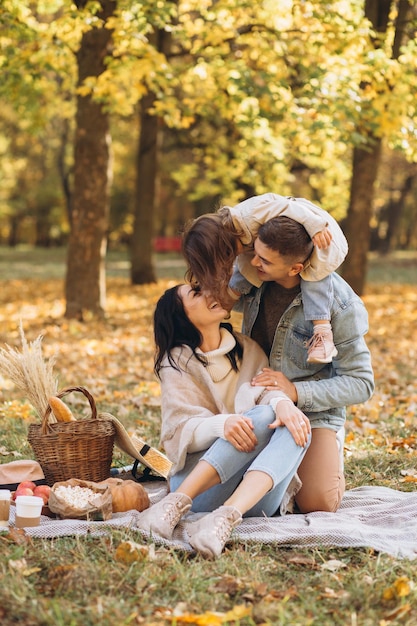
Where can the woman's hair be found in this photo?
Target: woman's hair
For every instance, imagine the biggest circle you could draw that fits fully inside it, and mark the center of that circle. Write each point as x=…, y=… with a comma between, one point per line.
x=172, y=329
x=209, y=246
x=288, y=237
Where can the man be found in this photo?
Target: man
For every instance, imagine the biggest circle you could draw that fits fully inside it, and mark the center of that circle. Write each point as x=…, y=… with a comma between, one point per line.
x=273, y=316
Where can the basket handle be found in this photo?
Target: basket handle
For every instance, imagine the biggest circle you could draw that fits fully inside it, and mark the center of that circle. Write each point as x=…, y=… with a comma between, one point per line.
x=61, y=394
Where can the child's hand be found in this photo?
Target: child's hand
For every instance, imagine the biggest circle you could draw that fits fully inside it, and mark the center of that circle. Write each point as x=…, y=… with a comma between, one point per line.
x=323, y=239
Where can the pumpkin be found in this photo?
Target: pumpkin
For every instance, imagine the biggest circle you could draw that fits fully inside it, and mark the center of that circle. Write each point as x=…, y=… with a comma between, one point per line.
x=127, y=495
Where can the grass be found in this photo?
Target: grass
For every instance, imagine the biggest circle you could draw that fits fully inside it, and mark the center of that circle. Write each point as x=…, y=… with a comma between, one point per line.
x=28, y=262
x=398, y=267
x=77, y=581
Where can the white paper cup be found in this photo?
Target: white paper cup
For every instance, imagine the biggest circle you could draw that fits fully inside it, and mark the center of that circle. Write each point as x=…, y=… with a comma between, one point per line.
x=28, y=511
x=5, y=495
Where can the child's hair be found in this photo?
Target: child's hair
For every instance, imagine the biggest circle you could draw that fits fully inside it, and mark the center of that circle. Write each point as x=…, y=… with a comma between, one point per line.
x=209, y=246
x=172, y=329
x=288, y=237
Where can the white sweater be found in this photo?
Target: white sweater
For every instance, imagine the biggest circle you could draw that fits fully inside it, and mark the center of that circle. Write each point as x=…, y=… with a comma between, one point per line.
x=194, y=407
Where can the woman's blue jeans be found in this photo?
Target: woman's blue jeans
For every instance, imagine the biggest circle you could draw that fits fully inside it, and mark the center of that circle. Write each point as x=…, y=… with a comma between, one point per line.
x=276, y=454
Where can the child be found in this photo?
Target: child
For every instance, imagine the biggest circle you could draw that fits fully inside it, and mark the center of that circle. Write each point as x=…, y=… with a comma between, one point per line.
x=214, y=242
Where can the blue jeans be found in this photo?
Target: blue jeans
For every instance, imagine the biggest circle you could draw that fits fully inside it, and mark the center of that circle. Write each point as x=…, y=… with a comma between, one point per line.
x=317, y=298
x=276, y=454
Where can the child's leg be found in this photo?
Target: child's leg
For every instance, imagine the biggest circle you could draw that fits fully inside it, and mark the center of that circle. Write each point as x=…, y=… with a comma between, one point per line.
x=317, y=298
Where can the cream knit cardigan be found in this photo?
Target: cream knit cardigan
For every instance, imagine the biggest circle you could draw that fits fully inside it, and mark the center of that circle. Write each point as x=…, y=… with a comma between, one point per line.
x=189, y=396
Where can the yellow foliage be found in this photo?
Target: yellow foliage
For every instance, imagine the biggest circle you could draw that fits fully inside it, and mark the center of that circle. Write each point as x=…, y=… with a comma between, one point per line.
x=401, y=588
x=214, y=619
x=128, y=552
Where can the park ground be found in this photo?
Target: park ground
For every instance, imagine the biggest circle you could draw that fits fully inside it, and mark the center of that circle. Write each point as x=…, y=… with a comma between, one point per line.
x=84, y=581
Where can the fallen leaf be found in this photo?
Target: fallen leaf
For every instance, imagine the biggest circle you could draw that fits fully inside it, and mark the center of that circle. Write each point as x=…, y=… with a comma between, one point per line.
x=21, y=566
x=399, y=589
x=333, y=565
x=399, y=612
x=409, y=472
x=213, y=618
x=331, y=593
x=16, y=535
x=301, y=559
x=227, y=584
x=128, y=552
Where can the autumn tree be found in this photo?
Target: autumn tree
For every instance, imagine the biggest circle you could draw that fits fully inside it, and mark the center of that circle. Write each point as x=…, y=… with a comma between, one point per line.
x=147, y=175
x=85, y=279
x=256, y=96
x=34, y=109
x=367, y=157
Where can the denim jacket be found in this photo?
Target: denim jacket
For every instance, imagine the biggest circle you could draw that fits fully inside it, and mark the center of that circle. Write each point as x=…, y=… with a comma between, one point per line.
x=324, y=389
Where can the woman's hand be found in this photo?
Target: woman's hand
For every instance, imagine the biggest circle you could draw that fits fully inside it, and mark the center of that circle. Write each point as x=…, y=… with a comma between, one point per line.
x=297, y=423
x=238, y=430
x=275, y=380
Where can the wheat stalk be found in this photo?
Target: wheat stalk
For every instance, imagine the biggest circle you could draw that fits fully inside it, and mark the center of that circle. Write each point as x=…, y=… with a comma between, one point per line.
x=28, y=370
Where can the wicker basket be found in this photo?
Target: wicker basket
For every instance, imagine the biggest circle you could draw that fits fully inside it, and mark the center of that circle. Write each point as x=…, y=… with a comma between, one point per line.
x=80, y=449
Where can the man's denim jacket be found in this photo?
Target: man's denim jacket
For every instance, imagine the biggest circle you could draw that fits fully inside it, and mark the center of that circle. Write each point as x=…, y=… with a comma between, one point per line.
x=324, y=389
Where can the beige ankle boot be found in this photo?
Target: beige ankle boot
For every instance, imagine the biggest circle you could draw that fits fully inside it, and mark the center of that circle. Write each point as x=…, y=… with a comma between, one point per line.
x=210, y=533
x=163, y=516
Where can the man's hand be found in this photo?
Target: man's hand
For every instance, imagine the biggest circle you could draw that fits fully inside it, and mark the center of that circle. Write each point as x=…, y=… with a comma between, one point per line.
x=275, y=380
x=238, y=430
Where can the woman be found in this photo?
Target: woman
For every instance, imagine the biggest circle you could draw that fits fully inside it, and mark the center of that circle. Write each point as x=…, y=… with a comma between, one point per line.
x=235, y=448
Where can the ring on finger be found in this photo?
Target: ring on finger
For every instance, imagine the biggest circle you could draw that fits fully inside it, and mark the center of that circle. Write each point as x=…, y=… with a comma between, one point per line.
x=275, y=382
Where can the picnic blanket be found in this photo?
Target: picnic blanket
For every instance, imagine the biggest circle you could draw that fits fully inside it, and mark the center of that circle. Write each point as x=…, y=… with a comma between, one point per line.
x=369, y=517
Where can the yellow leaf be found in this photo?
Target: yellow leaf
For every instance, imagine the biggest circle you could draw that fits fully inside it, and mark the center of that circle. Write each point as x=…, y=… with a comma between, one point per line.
x=399, y=589
x=128, y=552
x=402, y=587
x=238, y=612
x=202, y=619
x=31, y=570
x=215, y=619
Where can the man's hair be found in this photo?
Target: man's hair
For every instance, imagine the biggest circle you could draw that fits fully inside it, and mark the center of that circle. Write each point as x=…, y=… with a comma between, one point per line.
x=287, y=237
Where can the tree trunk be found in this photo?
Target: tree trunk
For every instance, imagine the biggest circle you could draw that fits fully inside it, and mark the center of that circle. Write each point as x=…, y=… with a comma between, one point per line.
x=365, y=164
x=357, y=226
x=85, y=287
x=63, y=171
x=394, y=214
x=364, y=173
x=13, y=238
x=142, y=270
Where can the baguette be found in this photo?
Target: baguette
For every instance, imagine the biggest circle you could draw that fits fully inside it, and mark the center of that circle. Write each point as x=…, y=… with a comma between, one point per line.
x=60, y=410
